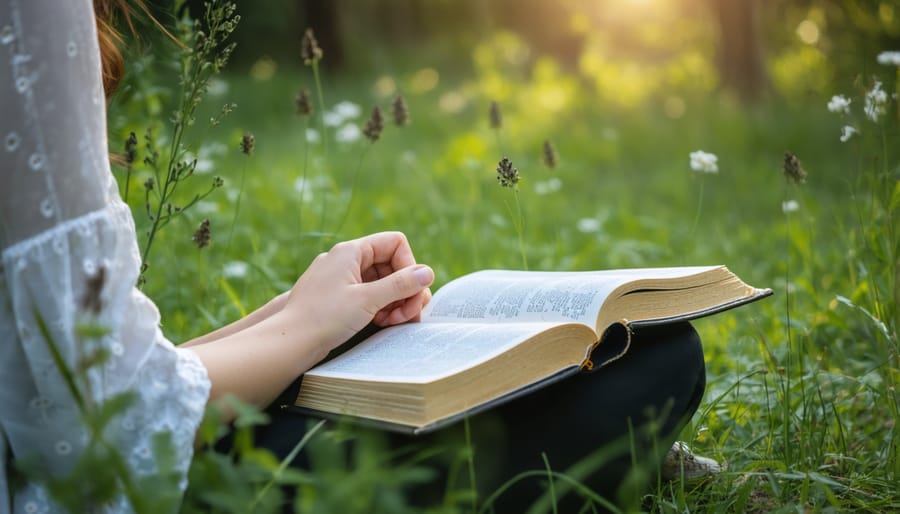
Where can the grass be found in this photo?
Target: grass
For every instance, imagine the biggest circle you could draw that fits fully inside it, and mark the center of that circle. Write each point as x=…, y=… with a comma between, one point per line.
x=802, y=401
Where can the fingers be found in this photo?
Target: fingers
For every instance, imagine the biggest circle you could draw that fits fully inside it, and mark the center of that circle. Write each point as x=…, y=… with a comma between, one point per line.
x=377, y=271
x=403, y=311
x=385, y=248
x=404, y=284
x=385, y=276
x=382, y=254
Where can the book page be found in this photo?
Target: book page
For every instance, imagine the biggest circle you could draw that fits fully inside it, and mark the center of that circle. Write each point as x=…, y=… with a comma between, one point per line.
x=418, y=352
x=494, y=296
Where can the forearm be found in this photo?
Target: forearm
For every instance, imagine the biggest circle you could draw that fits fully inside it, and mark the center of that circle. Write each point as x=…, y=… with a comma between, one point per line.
x=271, y=307
x=372, y=278
x=257, y=363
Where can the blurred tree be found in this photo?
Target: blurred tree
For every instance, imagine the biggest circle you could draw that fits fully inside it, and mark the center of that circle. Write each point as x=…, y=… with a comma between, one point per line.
x=546, y=26
x=744, y=38
x=324, y=17
x=399, y=21
x=858, y=30
x=740, y=53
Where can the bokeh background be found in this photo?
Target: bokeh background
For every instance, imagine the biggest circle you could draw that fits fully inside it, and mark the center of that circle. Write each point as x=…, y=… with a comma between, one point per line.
x=802, y=401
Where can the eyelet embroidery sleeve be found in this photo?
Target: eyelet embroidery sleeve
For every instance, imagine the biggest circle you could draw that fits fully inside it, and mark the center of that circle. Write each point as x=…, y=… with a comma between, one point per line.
x=62, y=225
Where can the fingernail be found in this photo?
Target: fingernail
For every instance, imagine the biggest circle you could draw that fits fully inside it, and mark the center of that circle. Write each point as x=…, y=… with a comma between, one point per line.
x=424, y=275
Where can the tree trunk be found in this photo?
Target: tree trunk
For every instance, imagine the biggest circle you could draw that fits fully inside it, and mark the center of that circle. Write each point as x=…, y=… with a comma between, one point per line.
x=323, y=17
x=740, y=57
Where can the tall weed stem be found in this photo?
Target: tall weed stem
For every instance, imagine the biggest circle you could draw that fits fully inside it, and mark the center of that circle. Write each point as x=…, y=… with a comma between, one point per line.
x=349, y=205
x=237, y=208
x=699, y=209
x=470, y=461
x=786, y=404
x=204, y=58
x=321, y=98
x=519, y=224
x=303, y=181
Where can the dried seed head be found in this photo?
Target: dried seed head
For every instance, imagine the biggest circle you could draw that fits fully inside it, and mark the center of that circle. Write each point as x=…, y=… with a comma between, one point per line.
x=149, y=184
x=792, y=169
x=494, y=116
x=374, y=126
x=309, y=49
x=152, y=156
x=549, y=154
x=248, y=143
x=202, y=236
x=401, y=111
x=507, y=176
x=90, y=298
x=303, y=102
x=131, y=149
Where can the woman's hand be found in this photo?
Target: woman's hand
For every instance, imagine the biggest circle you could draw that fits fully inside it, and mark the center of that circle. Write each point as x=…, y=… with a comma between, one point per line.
x=373, y=278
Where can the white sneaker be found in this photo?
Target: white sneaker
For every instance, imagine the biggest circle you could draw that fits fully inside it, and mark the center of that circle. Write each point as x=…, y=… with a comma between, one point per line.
x=681, y=463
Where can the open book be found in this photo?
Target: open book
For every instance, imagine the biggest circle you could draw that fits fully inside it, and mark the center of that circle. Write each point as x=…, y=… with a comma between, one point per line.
x=492, y=335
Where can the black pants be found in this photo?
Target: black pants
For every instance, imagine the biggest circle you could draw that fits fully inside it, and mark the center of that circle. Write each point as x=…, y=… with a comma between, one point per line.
x=594, y=427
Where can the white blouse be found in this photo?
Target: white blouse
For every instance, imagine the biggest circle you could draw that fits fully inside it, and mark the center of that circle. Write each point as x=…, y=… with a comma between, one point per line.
x=62, y=222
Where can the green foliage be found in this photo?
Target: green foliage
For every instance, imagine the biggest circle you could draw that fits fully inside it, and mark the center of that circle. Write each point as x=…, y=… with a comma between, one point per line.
x=100, y=476
x=807, y=420
x=802, y=401
x=204, y=52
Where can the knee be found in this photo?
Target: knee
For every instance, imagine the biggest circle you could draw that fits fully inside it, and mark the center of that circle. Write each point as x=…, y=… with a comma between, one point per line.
x=675, y=347
x=671, y=356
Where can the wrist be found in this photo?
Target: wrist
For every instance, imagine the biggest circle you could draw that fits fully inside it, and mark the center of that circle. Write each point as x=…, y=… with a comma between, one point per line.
x=301, y=336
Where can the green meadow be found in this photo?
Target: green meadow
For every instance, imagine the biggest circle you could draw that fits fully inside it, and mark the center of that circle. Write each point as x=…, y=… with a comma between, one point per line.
x=802, y=400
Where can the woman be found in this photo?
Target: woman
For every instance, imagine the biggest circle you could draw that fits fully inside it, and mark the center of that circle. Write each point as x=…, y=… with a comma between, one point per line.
x=67, y=235
x=69, y=254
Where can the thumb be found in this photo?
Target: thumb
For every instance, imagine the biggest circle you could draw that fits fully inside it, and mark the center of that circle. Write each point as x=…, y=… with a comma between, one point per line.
x=399, y=285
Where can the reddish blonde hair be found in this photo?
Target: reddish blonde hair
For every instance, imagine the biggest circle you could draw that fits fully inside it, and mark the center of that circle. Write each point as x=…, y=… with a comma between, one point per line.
x=109, y=38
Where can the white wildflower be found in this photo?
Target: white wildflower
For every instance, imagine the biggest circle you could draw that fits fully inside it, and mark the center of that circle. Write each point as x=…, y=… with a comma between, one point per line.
x=307, y=186
x=839, y=103
x=217, y=87
x=704, y=162
x=301, y=184
x=213, y=149
x=588, y=225
x=847, y=132
x=498, y=220
x=348, y=133
x=204, y=207
x=332, y=119
x=876, y=102
x=551, y=185
x=790, y=206
x=236, y=269
x=342, y=112
x=348, y=110
x=204, y=166
x=312, y=136
x=889, y=58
